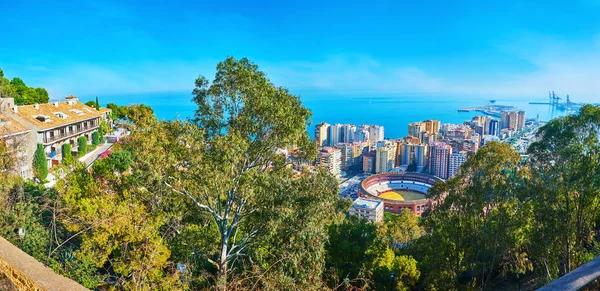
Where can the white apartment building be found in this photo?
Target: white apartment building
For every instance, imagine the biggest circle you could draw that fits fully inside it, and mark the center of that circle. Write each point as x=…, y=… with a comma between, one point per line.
x=331, y=159
x=367, y=209
x=456, y=160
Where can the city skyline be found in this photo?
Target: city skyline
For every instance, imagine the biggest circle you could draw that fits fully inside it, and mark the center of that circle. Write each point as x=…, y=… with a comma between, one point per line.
x=476, y=50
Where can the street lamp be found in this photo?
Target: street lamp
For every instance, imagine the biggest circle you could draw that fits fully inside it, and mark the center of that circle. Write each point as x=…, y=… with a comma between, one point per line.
x=393, y=278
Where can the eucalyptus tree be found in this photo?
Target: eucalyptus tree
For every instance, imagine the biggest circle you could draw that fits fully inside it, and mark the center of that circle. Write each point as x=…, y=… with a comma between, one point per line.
x=245, y=121
x=565, y=164
x=479, y=226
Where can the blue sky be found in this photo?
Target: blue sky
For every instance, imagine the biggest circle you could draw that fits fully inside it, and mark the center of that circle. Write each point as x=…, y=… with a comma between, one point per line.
x=467, y=48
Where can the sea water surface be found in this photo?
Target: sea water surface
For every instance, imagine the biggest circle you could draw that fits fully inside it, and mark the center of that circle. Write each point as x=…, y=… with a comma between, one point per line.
x=394, y=112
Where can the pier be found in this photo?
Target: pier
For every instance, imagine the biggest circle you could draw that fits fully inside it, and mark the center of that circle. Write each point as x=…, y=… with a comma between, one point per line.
x=491, y=110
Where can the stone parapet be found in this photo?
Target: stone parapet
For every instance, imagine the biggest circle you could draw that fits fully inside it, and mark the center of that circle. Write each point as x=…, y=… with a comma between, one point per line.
x=24, y=272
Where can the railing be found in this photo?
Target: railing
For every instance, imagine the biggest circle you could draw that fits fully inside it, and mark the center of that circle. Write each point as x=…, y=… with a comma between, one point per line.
x=586, y=277
x=68, y=134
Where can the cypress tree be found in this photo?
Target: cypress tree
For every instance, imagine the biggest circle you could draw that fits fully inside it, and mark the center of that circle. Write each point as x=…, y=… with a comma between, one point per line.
x=40, y=164
x=97, y=104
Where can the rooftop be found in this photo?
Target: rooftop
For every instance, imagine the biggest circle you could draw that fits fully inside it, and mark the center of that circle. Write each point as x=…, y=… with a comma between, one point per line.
x=366, y=203
x=10, y=126
x=50, y=115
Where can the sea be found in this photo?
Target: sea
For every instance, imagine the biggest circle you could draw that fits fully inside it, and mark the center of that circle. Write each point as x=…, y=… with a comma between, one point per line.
x=393, y=112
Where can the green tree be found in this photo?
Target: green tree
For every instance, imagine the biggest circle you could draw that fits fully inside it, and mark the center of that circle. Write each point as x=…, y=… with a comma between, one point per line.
x=400, y=229
x=95, y=138
x=103, y=130
x=67, y=156
x=121, y=160
x=40, y=164
x=91, y=103
x=245, y=120
x=480, y=226
x=565, y=188
x=82, y=146
x=97, y=104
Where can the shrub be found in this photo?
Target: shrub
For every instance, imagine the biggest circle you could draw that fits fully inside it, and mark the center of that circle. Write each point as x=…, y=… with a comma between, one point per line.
x=40, y=164
x=82, y=146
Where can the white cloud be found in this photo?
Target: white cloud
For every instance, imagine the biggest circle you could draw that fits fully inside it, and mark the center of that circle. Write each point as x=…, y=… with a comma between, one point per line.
x=568, y=68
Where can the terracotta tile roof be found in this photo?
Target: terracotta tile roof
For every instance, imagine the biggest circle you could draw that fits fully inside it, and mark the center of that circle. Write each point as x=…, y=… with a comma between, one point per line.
x=9, y=126
x=58, y=113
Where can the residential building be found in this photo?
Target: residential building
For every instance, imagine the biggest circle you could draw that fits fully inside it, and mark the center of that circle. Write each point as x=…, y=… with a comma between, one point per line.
x=361, y=135
x=493, y=127
x=335, y=134
x=351, y=153
x=513, y=120
x=369, y=209
x=414, y=129
x=376, y=133
x=385, y=158
x=439, y=159
x=14, y=135
x=57, y=123
x=522, y=119
x=369, y=162
x=331, y=159
x=414, y=153
x=456, y=160
x=322, y=134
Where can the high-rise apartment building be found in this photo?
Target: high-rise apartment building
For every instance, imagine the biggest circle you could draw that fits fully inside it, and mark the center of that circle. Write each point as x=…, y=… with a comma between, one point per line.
x=361, y=135
x=522, y=119
x=513, y=120
x=335, y=134
x=493, y=127
x=456, y=160
x=322, y=134
x=414, y=153
x=439, y=159
x=369, y=162
x=375, y=133
x=351, y=153
x=385, y=158
x=431, y=126
x=414, y=129
x=331, y=159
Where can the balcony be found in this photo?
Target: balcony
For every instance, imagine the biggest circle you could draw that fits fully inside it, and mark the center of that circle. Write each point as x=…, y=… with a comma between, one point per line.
x=49, y=139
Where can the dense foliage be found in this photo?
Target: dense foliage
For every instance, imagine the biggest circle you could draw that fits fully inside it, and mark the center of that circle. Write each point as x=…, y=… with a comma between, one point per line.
x=211, y=203
x=23, y=95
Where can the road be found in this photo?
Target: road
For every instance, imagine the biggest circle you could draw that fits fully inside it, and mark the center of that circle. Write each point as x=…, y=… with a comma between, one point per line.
x=92, y=156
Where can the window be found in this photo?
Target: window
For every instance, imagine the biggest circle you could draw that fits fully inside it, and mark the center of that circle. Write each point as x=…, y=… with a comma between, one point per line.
x=61, y=115
x=42, y=118
x=77, y=111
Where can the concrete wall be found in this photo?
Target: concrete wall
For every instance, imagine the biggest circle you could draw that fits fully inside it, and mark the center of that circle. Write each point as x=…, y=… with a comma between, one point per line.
x=24, y=272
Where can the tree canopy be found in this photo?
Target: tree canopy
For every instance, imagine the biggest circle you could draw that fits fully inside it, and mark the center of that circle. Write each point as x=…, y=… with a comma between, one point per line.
x=23, y=94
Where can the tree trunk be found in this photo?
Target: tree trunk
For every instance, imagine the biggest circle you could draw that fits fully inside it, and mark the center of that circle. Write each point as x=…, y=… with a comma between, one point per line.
x=222, y=274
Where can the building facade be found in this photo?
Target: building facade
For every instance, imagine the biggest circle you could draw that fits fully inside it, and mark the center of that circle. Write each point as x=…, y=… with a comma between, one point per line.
x=385, y=158
x=331, y=159
x=322, y=134
x=57, y=123
x=456, y=160
x=439, y=159
x=369, y=209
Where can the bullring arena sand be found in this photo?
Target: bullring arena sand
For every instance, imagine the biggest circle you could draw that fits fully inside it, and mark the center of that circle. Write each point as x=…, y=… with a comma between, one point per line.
x=402, y=195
